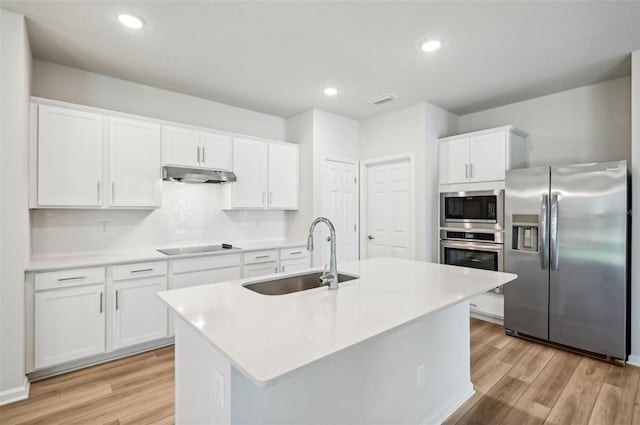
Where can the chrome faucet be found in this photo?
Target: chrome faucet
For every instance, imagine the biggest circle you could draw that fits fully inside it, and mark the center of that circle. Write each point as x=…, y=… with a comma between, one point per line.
x=330, y=278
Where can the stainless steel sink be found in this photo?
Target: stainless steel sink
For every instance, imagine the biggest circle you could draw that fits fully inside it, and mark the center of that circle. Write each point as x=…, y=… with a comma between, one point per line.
x=287, y=285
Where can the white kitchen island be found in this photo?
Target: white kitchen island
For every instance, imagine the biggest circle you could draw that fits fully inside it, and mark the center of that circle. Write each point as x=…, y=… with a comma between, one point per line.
x=389, y=347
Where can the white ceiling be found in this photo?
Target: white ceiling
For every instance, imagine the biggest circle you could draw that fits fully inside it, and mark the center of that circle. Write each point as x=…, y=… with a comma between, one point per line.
x=276, y=57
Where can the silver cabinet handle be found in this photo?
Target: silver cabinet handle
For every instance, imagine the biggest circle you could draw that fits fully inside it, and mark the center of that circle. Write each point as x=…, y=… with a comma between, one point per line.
x=473, y=305
x=198, y=154
x=67, y=279
x=466, y=171
x=542, y=233
x=113, y=191
x=370, y=237
x=295, y=253
x=117, y=304
x=269, y=198
x=98, y=191
x=275, y=269
x=100, y=302
x=141, y=271
x=203, y=152
x=263, y=195
x=262, y=256
x=470, y=170
x=554, y=232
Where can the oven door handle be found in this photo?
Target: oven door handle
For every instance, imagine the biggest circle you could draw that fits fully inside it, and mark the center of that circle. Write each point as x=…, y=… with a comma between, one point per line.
x=472, y=246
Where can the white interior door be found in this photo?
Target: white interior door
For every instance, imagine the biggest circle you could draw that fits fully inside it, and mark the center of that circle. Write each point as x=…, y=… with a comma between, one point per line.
x=389, y=210
x=340, y=206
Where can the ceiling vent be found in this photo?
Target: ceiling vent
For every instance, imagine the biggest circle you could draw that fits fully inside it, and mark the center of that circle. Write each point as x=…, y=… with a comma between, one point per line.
x=382, y=99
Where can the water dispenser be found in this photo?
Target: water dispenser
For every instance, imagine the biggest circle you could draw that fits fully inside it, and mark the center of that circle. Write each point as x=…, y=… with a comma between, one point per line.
x=525, y=232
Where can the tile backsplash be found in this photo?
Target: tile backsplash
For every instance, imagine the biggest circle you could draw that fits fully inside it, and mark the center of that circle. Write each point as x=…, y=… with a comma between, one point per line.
x=189, y=213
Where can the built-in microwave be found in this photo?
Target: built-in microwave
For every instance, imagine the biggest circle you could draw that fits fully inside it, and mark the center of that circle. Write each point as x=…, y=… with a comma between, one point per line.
x=472, y=210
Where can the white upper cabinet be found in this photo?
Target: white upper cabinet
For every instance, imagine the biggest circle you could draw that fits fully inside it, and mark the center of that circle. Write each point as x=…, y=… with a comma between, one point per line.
x=191, y=148
x=181, y=146
x=453, y=160
x=250, y=162
x=283, y=176
x=69, y=158
x=216, y=151
x=267, y=175
x=482, y=156
x=135, y=172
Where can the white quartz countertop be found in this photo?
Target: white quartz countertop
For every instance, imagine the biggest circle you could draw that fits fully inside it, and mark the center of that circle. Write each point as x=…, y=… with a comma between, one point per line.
x=45, y=263
x=269, y=336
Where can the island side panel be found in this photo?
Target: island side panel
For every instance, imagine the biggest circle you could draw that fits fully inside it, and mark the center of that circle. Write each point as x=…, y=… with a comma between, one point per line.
x=373, y=382
x=203, y=378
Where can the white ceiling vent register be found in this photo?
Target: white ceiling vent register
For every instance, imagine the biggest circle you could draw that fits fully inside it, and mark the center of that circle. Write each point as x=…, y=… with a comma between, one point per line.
x=382, y=99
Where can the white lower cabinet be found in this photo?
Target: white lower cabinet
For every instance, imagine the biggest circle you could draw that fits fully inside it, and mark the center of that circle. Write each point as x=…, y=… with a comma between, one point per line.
x=139, y=315
x=287, y=266
x=488, y=304
x=260, y=269
x=69, y=324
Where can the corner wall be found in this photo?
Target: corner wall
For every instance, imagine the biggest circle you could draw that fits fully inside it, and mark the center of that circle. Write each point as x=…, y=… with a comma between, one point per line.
x=15, y=75
x=634, y=358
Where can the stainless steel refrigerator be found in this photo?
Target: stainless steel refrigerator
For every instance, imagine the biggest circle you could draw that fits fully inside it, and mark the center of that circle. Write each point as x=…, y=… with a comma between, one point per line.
x=566, y=236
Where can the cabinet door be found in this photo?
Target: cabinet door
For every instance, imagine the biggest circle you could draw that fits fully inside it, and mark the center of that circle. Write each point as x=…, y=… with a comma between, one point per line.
x=216, y=151
x=134, y=163
x=138, y=313
x=69, y=157
x=453, y=160
x=181, y=146
x=250, y=168
x=487, y=157
x=283, y=177
x=255, y=270
x=288, y=266
x=69, y=324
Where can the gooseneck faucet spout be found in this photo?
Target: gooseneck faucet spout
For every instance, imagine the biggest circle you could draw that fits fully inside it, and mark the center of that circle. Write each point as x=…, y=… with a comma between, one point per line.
x=330, y=278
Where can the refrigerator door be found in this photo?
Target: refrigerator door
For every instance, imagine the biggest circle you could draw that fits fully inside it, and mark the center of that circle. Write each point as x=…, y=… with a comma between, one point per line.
x=588, y=234
x=526, y=251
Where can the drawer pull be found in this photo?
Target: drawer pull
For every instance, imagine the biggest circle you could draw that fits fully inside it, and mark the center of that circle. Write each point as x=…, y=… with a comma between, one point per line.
x=296, y=253
x=67, y=279
x=473, y=305
x=117, y=304
x=263, y=256
x=141, y=270
x=100, y=302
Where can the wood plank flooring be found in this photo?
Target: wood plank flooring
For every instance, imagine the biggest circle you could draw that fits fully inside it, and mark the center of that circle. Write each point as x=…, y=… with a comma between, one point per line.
x=517, y=382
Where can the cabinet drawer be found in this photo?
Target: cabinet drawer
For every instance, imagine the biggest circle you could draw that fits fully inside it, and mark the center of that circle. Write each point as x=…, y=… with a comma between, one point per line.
x=295, y=265
x=260, y=256
x=204, y=277
x=132, y=271
x=68, y=278
x=205, y=263
x=488, y=304
x=260, y=269
x=294, y=253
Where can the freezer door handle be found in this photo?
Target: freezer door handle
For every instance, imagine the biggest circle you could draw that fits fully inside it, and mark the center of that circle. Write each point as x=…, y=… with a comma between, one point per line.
x=542, y=232
x=554, y=232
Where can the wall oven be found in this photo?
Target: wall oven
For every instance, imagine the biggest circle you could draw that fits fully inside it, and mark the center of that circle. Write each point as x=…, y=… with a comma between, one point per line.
x=478, y=250
x=472, y=210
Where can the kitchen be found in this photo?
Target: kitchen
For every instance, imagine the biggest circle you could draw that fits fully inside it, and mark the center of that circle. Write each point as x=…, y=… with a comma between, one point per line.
x=587, y=117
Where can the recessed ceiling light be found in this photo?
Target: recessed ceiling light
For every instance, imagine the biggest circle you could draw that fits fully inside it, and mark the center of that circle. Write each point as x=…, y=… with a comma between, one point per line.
x=430, y=46
x=330, y=91
x=130, y=21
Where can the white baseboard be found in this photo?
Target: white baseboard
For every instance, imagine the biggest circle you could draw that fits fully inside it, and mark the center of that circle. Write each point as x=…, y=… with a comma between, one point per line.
x=634, y=360
x=15, y=394
x=453, y=405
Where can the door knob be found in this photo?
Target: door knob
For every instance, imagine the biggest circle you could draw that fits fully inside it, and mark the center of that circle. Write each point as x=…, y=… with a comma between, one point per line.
x=370, y=237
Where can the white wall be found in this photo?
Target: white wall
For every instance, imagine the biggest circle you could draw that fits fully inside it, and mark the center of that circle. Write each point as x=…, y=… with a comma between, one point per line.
x=586, y=124
x=73, y=85
x=416, y=130
x=15, y=73
x=635, y=228
x=189, y=213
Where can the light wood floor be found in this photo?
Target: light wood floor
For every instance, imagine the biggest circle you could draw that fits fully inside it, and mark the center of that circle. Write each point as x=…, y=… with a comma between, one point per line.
x=517, y=382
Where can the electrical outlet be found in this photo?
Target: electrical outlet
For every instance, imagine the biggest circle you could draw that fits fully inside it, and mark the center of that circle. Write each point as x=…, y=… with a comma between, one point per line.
x=420, y=375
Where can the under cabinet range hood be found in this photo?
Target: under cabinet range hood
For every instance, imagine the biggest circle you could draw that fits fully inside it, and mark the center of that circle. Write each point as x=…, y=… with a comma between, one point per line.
x=196, y=175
